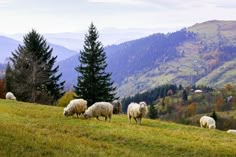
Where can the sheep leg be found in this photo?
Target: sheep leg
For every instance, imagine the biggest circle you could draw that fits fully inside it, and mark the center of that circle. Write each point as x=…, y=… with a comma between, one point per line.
x=97, y=118
x=129, y=118
x=135, y=120
x=139, y=120
x=109, y=116
x=105, y=118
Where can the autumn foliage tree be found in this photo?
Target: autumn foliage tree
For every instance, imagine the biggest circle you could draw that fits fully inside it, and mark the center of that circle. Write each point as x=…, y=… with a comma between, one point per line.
x=219, y=103
x=2, y=88
x=191, y=109
x=228, y=87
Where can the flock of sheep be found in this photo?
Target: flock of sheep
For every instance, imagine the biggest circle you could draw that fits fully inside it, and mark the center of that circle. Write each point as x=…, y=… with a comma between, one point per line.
x=106, y=109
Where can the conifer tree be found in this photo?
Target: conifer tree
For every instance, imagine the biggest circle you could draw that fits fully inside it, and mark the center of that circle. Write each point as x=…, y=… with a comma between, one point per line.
x=185, y=96
x=152, y=113
x=31, y=74
x=94, y=83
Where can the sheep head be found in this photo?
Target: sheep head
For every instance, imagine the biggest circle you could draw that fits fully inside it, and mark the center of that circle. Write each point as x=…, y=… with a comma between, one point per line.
x=88, y=114
x=65, y=112
x=142, y=106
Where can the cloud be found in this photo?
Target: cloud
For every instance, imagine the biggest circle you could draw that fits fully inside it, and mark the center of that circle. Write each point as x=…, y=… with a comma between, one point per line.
x=124, y=2
x=5, y=2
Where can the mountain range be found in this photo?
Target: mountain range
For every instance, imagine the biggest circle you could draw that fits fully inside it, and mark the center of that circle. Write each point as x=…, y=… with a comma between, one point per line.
x=204, y=53
x=9, y=45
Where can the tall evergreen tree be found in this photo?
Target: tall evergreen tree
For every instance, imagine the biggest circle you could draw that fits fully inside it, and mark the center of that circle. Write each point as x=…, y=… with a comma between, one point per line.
x=94, y=83
x=31, y=75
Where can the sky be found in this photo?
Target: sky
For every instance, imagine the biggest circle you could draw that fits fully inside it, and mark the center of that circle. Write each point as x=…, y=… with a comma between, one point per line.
x=54, y=16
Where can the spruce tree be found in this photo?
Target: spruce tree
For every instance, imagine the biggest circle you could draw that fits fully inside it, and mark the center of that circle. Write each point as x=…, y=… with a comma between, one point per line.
x=94, y=83
x=185, y=96
x=152, y=113
x=31, y=74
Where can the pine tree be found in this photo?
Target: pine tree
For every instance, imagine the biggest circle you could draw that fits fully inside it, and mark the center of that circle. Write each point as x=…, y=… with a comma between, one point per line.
x=214, y=115
x=94, y=83
x=152, y=113
x=185, y=96
x=31, y=75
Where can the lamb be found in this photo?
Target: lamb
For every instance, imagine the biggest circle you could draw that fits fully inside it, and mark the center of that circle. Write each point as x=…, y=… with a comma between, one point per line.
x=231, y=131
x=137, y=111
x=10, y=96
x=207, y=122
x=77, y=106
x=104, y=109
x=117, y=107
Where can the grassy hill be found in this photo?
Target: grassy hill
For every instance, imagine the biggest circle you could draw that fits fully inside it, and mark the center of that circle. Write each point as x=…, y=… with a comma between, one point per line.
x=36, y=130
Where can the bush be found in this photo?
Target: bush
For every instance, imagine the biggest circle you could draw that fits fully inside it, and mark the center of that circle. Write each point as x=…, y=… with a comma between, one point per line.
x=65, y=99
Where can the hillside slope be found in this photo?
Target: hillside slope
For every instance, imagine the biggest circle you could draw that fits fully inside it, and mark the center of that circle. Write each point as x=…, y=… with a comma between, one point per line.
x=36, y=130
x=204, y=53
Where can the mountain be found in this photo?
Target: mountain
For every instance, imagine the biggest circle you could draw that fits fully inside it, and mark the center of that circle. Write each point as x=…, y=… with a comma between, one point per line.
x=204, y=53
x=8, y=45
x=108, y=36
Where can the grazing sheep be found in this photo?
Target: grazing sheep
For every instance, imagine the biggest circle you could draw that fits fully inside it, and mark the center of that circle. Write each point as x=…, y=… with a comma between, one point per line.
x=10, y=96
x=104, y=109
x=117, y=107
x=137, y=111
x=231, y=131
x=207, y=122
x=77, y=106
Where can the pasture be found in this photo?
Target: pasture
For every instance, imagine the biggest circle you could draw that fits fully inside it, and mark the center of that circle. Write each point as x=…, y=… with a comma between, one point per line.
x=37, y=130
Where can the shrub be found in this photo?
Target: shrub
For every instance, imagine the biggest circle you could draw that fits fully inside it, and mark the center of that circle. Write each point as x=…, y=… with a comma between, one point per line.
x=65, y=99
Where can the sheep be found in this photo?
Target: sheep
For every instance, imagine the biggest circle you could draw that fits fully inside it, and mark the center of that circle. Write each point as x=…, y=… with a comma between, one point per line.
x=231, y=131
x=77, y=106
x=207, y=122
x=10, y=96
x=137, y=111
x=104, y=109
x=117, y=107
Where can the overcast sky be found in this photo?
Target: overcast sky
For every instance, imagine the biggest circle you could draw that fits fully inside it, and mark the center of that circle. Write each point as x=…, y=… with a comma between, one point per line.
x=53, y=16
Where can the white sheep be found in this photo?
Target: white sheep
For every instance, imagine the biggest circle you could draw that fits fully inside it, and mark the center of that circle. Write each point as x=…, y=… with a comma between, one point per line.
x=117, y=107
x=137, y=111
x=207, y=122
x=104, y=109
x=231, y=131
x=10, y=96
x=77, y=106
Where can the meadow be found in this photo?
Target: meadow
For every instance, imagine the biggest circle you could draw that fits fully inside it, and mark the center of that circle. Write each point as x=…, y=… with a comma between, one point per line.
x=37, y=130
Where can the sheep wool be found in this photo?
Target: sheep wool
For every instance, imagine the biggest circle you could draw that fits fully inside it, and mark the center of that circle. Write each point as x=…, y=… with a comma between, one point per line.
x=137, y=111
x=77, y=106
x=207, y=122
x=104, y=109
x=231, y=131
x=10, y=96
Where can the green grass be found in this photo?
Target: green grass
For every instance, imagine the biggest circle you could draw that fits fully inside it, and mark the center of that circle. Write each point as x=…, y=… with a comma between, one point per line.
x=36, y=130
